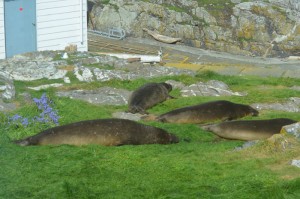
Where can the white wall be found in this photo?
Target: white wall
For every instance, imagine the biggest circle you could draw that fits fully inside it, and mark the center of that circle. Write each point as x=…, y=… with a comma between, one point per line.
x=60, y=23
x=2, y=35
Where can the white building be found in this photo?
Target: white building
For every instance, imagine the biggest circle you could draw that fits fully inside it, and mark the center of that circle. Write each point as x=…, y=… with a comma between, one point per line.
x=37, y=25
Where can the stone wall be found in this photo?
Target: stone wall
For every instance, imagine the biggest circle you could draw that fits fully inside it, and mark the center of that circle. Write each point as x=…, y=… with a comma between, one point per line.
x=257, y=28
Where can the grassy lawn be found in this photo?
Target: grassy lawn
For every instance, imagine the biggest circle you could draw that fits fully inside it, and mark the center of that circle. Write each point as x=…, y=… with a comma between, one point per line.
x=205, y=166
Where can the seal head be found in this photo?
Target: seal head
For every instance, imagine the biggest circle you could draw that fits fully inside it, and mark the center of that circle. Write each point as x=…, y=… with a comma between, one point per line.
x=147, y=96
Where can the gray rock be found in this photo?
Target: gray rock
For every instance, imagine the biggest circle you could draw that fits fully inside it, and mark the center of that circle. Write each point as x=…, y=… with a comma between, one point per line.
x=142, y=72
x=211, y=88
x=34, y=66
x=295, y=88
x=247, y=145
x=176, y=84
x=106, y=75
x=88, y=61
x=295, y=100
x=103, y=96
x=105, y=60
x=6, y=107
x=36, y=56
x=84, y=74
x=292, y=105
x=218, y=84
x=236, y=1
x=8, y=89
x=129, y=116
x=292, y=129
x=23, y=69
x=38, y=88
x=31, y=70
x=296, y=163
x=67, y=80
x=202, y=14
x=292, y=7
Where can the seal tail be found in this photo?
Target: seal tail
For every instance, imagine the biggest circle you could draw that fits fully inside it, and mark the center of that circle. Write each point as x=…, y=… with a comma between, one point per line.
x=171, y=97
x=161, y=119
x=22, y=142
x=136, y=109
x=149, y=117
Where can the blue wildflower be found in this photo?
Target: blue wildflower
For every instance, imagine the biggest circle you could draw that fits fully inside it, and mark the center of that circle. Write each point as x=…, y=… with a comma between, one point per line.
x=16, y=117
x=48, y=114
x=25, y=122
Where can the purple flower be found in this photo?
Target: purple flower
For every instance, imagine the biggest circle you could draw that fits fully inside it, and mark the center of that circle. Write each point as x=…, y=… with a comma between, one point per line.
x=54, y=117
x=39, y=119
x=48, y=112
x=25, y=122
x=16, y=117
x=47, y=115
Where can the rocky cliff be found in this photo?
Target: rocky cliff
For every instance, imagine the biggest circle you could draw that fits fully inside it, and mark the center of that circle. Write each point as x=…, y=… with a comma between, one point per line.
x=267, y=28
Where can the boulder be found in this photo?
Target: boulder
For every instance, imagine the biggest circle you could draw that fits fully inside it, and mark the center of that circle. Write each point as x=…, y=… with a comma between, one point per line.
x=102, y=96
x=291, y=105
x=128, y=116
x=7, y=88
x=210, y=88
x=292, y=129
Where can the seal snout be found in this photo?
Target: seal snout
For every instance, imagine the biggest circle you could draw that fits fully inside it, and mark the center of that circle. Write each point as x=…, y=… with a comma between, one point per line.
x=173, y=138
x=255, y=113
x=206, y=127
x=167, y=86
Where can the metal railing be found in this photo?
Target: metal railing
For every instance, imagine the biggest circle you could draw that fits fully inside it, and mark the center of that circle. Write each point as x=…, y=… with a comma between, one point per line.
x=112, y=33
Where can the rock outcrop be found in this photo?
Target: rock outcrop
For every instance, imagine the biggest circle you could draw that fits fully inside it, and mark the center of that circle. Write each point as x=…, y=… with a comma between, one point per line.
x=39, y=65
x=291, y=105
x=258, y=28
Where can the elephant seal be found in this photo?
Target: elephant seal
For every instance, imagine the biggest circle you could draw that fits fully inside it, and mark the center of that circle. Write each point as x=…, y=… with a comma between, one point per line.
x=107, y=132
x=248, y=129
x=148, y=96
x=207, y=112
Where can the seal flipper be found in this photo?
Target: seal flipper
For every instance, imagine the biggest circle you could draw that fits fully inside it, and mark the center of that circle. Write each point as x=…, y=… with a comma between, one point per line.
x=171, y=97
x=149, y=117
x=161, y=119
x=136, y=109
x=22, y=142
x=187, y=140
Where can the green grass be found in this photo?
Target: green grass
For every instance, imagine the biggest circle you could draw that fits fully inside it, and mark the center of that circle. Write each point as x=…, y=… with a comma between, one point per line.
x=200, y=166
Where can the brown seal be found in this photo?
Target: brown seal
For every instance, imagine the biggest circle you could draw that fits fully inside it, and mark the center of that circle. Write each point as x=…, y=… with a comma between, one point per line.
x=207, y=112
x=248, y=129
x=107, y=132
x=148, y=96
